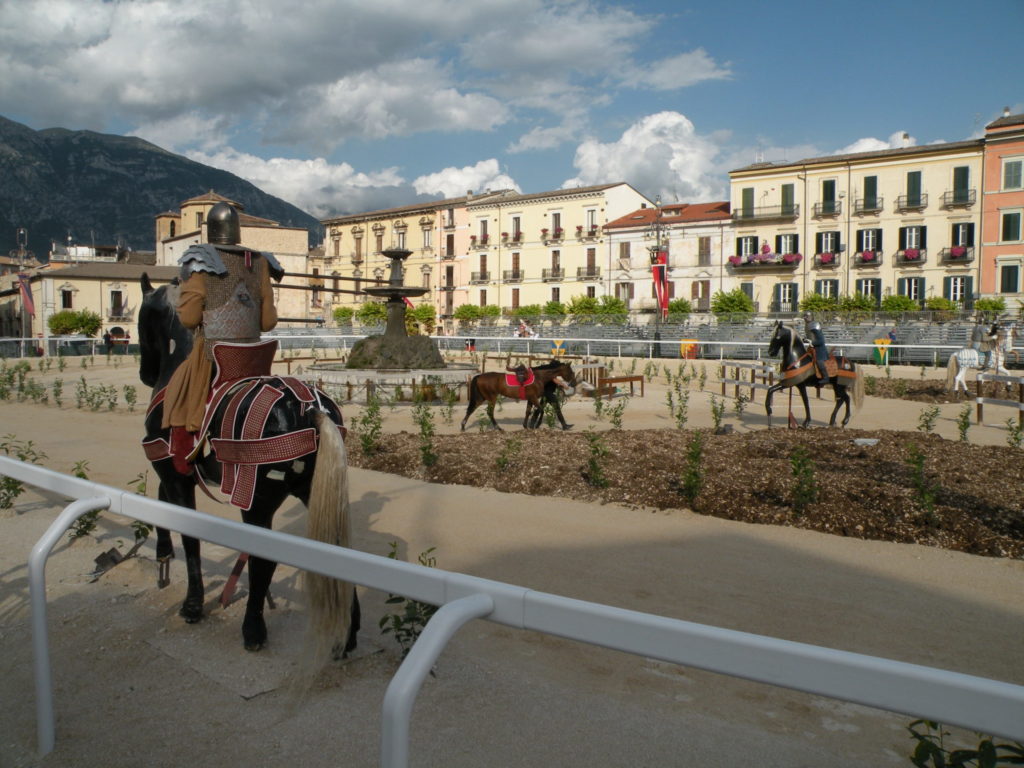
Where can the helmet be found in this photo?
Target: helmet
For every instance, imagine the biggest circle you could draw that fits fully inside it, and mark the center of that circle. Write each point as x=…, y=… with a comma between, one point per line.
x=222, y=227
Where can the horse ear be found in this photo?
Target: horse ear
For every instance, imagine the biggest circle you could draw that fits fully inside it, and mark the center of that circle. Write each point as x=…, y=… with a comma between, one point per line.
x=147, y=286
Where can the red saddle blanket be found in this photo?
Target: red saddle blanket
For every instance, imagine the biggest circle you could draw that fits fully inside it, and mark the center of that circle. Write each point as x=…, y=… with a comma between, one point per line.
x=512, y=380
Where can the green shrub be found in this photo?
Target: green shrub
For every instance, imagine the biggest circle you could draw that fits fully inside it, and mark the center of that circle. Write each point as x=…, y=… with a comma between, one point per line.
x=733, y=302
x=407, y=625
x=372, y=313
x=815, y=302
x=343, y=315
x=900, y=303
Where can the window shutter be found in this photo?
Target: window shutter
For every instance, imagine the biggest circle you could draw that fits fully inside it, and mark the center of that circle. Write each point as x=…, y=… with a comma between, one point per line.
x=969, y=292
x=835, y=288
x=778, y=243
x=920, y=291
x=876, y=291
x=796, y=296
x=947, y=282
x=739, y=245
x=818, y=286
x=924, y=237
x=796, y=243
x=776, y=296
x=839, y=241
x=970, y=234
x=878, y=238
x=903, y=238
x=901, y=286
x=817, y=242
x=860, y=240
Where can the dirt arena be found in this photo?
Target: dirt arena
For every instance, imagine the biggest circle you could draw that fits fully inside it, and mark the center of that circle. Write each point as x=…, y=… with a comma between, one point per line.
x=135, y=685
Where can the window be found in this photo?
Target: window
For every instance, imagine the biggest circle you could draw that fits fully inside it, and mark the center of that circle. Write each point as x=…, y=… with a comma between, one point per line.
x=871, y=286
x=827, y=288
x=591, y=292
x=913, y=237
x=869, y=240
x=787, y=243
x=173, y=228
x=828, y=196
x=426, y=276
x=449, y=245
x=515, y=261
x=483, y=297
x=591, y=261
x=748, y=290
x=515, y=298
x=315, y=294
x=788, y=200
x=199, y=219
x=785, y=297
x=483, y=263
x=624, y=291
x=335, y=284
x=449, y=217
x=517, y=228
x=556, y=260
x=591, y=219
x=624, y=250
x=428, y=238
x=912, y=287
x=65, y=299
x=961, y=184
x=1010, y=229
x=556, y=294
x=963, y=234
x=400, y=239
x=483, y=230
x=746, y=246
x=1009, y=278
x=380, y=242
x=336, y=246
x=959, y=288
x=826, y=242
x=870, y=193
x=1013, y=174
x=116, y=303
x=703, y=251
x=747, y=204
x=359, y=249
x=556, y=224
x=913, y=188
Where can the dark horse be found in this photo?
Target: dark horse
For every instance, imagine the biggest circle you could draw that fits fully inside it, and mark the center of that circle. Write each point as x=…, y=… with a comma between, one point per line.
x=318, y=479
x=798, y=369
x=486, y=387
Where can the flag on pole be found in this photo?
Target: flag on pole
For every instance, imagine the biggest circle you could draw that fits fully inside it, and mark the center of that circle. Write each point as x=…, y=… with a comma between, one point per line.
x=407, y=302
x=660, y=282
x=26, y=294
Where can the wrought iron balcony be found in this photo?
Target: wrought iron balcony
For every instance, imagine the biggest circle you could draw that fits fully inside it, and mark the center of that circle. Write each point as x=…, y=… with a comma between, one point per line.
x=782, y=307
x=957, y=254
x=513, y=275
x=826, y=260
x=959, y=198
x=912, y=202
x=448, y=287
x=867, y=258
x=828, y=208
x=357, y=258
x=121, y=315
x=588, y=273
x=447, y=255
x=766, y=261
x=911, y=257
x=549, y=275
x=479, y=277
x=868, y=205
x=766, y=212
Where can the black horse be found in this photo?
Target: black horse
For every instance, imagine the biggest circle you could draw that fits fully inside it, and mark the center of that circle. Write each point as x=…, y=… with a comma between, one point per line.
x=797, y=370
x=301, y=418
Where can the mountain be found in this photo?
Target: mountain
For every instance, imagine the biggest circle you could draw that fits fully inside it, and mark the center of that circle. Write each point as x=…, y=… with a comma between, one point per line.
x=107, y=189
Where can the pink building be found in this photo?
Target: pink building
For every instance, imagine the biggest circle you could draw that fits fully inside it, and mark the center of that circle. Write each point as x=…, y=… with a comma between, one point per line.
x=1002, y=224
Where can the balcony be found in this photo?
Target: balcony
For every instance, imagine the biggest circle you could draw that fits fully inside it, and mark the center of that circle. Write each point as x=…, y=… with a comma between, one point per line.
x=121, y=315
x=959, y=198
x=479, y=242
x=448, y=287
x=553, y=274
x=828, y=209
x=766, y=213
x=449, y=224
x=357, y=258
x=476, y=278
x=783, y=307
x=766, y=261
x=911, y=257
x=826, y=260
x=867, y=206
x=588, y=273
x=513, y=275
x=867, y=258
x=447, y=255
x=587, y=233
x=957, y=254
x=514, y=238
x=911, y=202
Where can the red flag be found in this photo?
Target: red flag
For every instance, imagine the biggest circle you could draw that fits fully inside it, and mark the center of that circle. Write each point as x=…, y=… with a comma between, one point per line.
x=660, y=281
x=407, y=302
x=26, y=294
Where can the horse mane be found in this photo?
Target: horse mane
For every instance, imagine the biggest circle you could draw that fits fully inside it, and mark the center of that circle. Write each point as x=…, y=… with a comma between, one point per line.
x=550, y=366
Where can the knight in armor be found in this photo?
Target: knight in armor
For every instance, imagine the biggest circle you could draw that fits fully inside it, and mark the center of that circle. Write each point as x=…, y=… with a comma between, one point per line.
x=812, y=329
x=983, y=341
x=226, y=295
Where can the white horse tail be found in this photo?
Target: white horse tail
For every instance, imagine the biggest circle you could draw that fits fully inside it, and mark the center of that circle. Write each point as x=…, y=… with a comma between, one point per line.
x=330, y=600
x=858, y=389
x=952, y=369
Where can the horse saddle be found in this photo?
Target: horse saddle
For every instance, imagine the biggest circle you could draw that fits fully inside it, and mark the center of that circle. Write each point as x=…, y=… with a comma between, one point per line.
x=512, y=380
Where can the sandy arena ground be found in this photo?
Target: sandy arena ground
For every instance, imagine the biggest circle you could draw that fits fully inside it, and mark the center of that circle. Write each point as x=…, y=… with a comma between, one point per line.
x=134, y=685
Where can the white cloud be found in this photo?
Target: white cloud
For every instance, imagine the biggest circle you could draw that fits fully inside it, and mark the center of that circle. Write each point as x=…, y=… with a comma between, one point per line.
x=455, y=182
x=661, y=154
x=316, y=186
x=897, y=140
x=680, y=71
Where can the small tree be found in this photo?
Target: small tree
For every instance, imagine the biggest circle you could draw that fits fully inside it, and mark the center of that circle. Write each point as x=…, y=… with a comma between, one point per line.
x=343, y=315
x=733, y=302
x=530, y=312
x=372, y=313
x=467, y=313
x=939, y=304
x=996, y=305
x=583, y=308
x=425, y=315
x=63, y=323
x=900, y=303
x=554, y=309
x=89, y=322
x=679, y=307
x=490, y=311
x=858, y=302
x=815, y=302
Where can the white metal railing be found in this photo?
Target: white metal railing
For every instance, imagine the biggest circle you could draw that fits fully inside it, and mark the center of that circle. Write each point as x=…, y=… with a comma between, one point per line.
x=954, y=698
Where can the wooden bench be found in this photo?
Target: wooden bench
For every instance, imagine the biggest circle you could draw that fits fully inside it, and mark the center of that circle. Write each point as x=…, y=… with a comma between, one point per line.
x=605, y=385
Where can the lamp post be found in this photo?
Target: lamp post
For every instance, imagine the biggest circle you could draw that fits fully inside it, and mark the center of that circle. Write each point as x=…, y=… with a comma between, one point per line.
x=658, y=268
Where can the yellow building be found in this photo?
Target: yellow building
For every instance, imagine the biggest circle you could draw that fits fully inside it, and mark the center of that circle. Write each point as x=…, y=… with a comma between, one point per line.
x=899, y=221
x=175, y=232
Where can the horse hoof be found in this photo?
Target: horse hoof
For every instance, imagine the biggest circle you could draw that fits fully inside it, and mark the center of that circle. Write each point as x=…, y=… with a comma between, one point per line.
x=191, y=612
x=566, y=427
x=254, y=633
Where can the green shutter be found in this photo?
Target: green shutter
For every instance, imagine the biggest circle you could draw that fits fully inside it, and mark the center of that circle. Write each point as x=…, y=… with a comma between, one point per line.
x=817, y=242
x=969, y=292
x=860, y=240
x=870, y=192
x=903, y=238
x=947, y=283
x=924, y=237
x=914, y=187
x=901, y=286
x=748, y=201
x=818, y=286
x=778, y=243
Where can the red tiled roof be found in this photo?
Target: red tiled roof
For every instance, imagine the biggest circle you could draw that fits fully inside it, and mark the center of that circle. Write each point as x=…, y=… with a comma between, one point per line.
x=675, y=213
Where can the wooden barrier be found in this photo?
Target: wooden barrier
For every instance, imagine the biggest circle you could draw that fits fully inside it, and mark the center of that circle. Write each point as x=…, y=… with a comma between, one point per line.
x=1009, y=380
x=605, y=385
x=762, y=376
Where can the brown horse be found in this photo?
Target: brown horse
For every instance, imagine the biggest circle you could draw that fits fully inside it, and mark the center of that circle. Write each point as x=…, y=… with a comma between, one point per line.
x=486, y=387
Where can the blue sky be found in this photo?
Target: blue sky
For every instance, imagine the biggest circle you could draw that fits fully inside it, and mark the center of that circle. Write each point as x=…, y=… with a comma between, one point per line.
x=341, y=106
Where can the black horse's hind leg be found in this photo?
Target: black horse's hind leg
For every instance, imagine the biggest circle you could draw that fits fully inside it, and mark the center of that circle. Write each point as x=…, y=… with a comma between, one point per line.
x=842, y=398
x=192, y=608
x=807, y=405
x=268, y=498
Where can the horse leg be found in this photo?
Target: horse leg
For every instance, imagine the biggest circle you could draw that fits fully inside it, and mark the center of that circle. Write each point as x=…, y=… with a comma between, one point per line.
x=261, y=572
x=842, y=396
x=807, y=405
x=469, y=412
x=529, y=411
x=192, y=608
x=768, y=395
x=490, y=413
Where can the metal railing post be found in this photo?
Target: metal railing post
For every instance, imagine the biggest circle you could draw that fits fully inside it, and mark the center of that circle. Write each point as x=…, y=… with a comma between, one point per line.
x=37, y=593
x=402, y=690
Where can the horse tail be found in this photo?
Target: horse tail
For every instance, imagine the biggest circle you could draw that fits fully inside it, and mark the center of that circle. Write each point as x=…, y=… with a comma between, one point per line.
x=952, y=369
x=473, y=392
x=330, y=600
x=858, y=389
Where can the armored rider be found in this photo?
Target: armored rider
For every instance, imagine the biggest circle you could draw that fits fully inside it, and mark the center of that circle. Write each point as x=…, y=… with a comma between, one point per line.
x=812, y=329
x=226, y=295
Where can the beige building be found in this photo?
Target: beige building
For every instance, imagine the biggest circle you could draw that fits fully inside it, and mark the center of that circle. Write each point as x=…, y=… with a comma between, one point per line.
x=175, y=232
x=695, y=237
x=900, y=221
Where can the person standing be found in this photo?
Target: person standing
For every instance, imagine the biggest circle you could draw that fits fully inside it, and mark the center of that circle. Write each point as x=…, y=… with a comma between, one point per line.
x=226, y=295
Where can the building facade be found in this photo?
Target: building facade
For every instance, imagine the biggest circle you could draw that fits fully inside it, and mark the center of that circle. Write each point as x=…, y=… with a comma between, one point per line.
x=1002, y=228
x=902, y=221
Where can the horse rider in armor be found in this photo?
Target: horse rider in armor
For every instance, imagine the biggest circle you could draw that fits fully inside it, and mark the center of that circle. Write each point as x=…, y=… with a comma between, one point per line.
x=226, y=295
x=812, y=329
x=983, y=341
